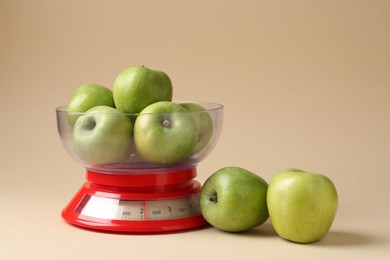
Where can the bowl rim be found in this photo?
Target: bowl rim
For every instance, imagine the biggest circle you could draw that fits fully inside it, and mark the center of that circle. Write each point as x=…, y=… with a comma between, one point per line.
x=213, y=107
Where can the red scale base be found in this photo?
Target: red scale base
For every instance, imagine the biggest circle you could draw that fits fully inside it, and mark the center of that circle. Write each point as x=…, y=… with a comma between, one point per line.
x=142, y=201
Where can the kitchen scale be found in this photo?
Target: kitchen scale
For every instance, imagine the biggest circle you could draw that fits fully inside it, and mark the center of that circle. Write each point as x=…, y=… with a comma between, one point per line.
x=166, y=200
x=134, y=196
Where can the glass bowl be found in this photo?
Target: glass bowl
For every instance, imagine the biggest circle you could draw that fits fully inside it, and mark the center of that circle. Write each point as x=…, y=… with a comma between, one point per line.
x=109, y=142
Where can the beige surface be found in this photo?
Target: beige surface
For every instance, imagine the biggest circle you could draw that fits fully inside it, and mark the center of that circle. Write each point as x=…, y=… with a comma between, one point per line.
x=304, y=83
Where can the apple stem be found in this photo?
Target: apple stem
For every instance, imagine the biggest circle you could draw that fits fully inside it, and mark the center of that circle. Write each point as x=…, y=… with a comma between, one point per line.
x=214, y=198
x=166, y=123
x=89, y=124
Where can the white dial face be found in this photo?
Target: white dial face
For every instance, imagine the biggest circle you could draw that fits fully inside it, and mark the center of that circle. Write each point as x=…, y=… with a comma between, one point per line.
x=139, y=210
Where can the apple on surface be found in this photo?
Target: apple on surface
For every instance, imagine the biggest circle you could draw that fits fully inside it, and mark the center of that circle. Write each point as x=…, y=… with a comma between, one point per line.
x=203, y=123
x=102, y=135
x=137, y=87
x=301, y=205
x=234, y=199
x=165, y=133
x=87, y=96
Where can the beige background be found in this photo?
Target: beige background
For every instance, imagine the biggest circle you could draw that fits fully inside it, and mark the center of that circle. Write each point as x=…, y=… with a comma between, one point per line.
x=304, y=83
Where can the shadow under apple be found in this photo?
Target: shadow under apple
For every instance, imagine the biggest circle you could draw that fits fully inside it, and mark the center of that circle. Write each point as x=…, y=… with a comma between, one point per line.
x=341, y=238
x=332, y=239
x=264, y=230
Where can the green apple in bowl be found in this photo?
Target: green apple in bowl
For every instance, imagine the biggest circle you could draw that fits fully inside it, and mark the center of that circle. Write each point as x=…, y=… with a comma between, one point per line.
x=165, y=133
x=203, y=123
x=102, y=135
x=137, y=87
x=87, y=96
x=234, y=199
x=302, y=205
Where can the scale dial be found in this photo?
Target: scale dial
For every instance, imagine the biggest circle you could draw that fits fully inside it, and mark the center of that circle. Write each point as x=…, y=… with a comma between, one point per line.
x=139, y=210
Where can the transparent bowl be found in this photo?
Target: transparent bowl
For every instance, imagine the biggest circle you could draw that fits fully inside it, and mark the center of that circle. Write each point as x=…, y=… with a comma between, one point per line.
x=101, y=142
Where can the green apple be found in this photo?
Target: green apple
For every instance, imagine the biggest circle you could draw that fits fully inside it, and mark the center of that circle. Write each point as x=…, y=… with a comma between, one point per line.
x=234, y=199
x=137, y=87
x=204, y=125
x=88, y=96
x=301, y=205
x=102, y=135
x=165, y=133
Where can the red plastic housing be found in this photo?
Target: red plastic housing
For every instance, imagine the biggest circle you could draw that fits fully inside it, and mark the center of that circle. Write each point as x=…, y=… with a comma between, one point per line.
x=145, y=186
